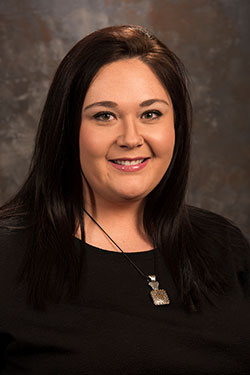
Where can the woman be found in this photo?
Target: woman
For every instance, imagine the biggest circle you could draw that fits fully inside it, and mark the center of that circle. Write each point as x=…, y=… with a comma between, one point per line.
x=104, y=268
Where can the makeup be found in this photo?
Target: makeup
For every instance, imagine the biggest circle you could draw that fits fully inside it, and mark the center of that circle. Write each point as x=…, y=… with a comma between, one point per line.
x=129, y=165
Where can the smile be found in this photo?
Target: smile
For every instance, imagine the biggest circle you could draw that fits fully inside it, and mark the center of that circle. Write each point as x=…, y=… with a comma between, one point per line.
x=128, y=162
x=126, y=165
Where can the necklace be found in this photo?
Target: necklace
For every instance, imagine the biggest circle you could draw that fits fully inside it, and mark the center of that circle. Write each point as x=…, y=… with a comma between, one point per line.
x=159, y=296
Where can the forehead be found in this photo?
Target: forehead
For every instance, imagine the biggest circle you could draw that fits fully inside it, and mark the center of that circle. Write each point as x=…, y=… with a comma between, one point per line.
x=125, y=79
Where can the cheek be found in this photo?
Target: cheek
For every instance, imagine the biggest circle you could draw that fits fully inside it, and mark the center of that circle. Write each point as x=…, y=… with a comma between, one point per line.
x=90, y=145
x=163, y=143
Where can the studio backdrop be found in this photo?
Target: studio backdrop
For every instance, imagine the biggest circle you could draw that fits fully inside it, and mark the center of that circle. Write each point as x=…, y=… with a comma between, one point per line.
x=212, y=39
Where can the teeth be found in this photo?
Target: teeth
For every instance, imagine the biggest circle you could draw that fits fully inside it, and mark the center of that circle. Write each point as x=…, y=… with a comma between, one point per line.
x=127, y=162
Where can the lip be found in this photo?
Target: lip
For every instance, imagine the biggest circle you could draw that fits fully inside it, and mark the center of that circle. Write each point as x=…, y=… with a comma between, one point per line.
x=130, y=159
x=130, y=168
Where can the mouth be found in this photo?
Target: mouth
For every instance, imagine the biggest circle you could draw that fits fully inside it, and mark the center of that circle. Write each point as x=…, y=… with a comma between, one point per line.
x=129, y=165
x=129, y=161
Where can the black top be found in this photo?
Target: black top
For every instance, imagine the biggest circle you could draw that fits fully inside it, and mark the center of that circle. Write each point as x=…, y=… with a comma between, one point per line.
x=114, y=328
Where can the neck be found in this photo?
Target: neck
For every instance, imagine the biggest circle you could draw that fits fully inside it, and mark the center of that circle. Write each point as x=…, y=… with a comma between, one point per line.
x=127, y=214
x=122, y=222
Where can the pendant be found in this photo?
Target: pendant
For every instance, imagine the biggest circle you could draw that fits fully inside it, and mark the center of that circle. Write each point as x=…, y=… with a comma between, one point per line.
x=159, y=296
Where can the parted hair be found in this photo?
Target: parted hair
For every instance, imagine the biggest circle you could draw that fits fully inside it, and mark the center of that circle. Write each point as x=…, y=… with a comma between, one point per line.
x=51, y=200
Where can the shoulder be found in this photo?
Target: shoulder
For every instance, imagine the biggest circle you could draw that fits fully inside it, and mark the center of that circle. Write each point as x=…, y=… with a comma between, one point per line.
x=216, y=228
x=13, y=245
x=203, y=216
x=14, y=237
x=224, y=241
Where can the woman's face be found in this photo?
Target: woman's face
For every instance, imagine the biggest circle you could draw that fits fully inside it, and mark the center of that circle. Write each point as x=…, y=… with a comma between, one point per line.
x=127, y=132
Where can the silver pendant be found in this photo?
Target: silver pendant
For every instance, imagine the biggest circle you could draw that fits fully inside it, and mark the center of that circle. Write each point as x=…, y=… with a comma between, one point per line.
x=159, y=296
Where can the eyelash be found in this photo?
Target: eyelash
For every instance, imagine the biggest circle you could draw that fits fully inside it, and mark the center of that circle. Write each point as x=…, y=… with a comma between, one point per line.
x=154, y=112
x=99, y=115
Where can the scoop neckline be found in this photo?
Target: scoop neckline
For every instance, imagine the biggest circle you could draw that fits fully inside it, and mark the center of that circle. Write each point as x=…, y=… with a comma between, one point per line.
x=118, y=252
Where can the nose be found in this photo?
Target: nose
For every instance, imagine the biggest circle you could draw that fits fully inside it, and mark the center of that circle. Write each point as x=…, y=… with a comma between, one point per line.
x=130, y=136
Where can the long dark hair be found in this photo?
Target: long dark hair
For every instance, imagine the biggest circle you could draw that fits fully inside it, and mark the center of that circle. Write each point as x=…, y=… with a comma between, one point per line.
x=51, y=200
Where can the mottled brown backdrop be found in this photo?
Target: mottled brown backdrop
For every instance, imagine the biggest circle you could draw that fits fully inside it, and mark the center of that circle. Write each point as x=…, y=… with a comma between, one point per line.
x=211, y=37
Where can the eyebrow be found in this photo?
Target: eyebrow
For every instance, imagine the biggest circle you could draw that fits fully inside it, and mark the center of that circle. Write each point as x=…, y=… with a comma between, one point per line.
x=110, y=104
x=152, y=101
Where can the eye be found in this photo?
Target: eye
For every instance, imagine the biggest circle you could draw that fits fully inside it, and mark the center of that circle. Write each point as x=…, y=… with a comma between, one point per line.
x=104, y=116
x=151, y=115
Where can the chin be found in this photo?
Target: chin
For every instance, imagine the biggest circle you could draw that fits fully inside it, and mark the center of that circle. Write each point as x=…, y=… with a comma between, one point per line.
x=133, y=195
